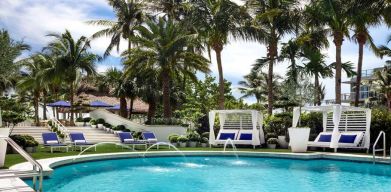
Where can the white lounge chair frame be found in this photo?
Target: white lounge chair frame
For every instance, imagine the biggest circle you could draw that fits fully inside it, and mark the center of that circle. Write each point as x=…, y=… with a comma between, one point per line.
x=238, y=122
x=337, y=120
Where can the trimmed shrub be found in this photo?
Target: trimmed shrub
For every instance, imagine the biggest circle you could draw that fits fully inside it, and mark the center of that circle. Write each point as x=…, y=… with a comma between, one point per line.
x=24, y=140
x=119, y=128
x=100, y=121
x=93, y=122
x=173, y=138
x=272, y=141
x=107, y=125
x=79, y=119
x=137, y=135
x=193, y=136
x=182, y=139
x=87, y=119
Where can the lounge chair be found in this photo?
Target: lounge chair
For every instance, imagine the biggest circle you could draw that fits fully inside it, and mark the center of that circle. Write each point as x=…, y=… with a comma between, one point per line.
x=150, y=138
x=126, y=138
x=78, y=140
x=50, y=139
x=225, y=134
x=346, y=140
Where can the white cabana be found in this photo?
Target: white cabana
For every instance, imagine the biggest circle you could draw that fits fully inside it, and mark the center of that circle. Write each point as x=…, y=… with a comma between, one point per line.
x=241, y=126
x=340, y=120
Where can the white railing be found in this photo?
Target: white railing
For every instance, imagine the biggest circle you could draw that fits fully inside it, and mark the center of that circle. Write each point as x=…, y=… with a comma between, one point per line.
x=37, y=168
x=63, y=130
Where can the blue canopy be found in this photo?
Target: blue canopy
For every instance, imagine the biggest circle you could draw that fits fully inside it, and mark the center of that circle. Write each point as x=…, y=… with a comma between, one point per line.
x=116, y=107
x=99, y=104
x=60, y=104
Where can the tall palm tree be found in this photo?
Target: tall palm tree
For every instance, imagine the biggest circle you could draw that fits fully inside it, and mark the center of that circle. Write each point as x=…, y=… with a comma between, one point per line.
x=9, y=51
x=254, y=84
x=383, y=83
x=291, y=51
x=162, y=48
x=333, y=14
x=172, y=9
x=216, y=21
x=274, y=19
x=364, y=14
x=73, y=60
x=129, y=14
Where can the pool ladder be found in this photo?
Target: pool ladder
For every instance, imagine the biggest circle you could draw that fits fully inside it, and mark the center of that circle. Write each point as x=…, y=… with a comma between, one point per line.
x=36, y=173
x=374, y=150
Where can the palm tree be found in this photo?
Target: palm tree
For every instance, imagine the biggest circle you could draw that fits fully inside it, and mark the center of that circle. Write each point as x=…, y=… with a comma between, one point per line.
x=385, y=51
x=162, y=48
x=333, y=14
x=129, y=14
x=33, y=81
x=383, y=83
x=364, y=14
x=173, y=9
x=254, y=85
x=274, y=19
x=291, y=51
x=73, y=60
x=9, y=51
x=316, y=67
x=216, y=21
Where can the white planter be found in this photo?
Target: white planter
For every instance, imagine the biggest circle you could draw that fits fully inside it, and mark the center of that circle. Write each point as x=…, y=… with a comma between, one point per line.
x=182, y=144
x=93, y=126
x=271, y=146
x=87, y=123
x=282, y=142
x=192, y=144
x=100, y=126
x=299, y=139
x=204, y=145
x=4, y=132
x=79, y=124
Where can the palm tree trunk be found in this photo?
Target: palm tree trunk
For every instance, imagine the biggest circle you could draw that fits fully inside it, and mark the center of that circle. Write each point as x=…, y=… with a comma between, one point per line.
x=151, y=109
x=338, y=39
x=361, y=42
x=122, y=107
x=131, y=108
x=36, y=107
x=218, y=50
x=71, y=102
x=317, y=90
x=166, y=94
x=272, y=52
x=44, y=105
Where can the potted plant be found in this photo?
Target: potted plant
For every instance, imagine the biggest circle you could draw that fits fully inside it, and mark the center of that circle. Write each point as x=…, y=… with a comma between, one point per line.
x=87, y=121
x=93, y=123
x=204, y=142
x=173, y=138
x=61, y=136
x=30, y=144
x=298, y=139
x=272, y=143
x=79, y=122
x=194, y=138
x=99, y=123
x=182, y=141
x=107, y=127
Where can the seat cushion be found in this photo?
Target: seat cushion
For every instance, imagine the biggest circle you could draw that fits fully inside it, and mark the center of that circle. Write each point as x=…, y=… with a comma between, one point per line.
x=347, y=138
x=80, y=141
x=325, y=138
x=52, y=142
x=225, y=136
x=246, y=136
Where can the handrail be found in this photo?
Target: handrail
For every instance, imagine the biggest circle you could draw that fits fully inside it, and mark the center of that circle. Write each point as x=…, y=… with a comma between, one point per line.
x=61, y=127
x=36, y=166
x=374, y=150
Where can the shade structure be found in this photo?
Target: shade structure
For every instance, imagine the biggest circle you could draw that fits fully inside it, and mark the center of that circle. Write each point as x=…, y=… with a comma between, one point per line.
x=99, y=104
x=116, y=108
x=60, y=104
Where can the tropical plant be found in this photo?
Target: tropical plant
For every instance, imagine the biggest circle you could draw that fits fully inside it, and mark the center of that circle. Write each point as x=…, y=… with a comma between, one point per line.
x=386, y=51
x=73, y=59
x=383, y=83
x=10, y=50
x=334, y=15
x=216, y=21
x=13, y=112
x=162, y=49
x=173, y=9
x=364, y=14
x=274, y=20
x=129, y=14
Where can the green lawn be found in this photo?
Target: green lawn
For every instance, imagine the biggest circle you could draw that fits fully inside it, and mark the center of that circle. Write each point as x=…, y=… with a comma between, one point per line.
x=42, y=153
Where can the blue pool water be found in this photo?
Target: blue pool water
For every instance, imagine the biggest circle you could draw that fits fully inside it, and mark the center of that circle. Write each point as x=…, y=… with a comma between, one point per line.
x=218, y=174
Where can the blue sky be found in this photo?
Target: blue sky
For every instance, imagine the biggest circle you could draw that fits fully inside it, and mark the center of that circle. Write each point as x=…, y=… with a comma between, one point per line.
x=31, y=20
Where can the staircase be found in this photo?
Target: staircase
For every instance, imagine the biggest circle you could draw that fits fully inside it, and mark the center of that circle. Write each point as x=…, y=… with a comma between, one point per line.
x=36, y=132
x=94, y=135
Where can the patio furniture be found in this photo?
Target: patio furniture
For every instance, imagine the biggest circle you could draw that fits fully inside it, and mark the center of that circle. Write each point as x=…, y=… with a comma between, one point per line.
x=78, y=140
x=50, y=140
x=126, y=138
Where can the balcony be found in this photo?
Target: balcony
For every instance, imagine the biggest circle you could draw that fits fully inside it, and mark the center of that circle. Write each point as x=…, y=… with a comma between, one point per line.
x=350, y=97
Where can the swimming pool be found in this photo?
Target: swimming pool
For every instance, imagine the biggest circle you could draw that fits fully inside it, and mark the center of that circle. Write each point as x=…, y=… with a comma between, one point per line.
x=211, y=173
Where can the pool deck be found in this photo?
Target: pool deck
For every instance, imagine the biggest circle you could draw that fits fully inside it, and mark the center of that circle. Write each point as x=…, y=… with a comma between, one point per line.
x=49, y=164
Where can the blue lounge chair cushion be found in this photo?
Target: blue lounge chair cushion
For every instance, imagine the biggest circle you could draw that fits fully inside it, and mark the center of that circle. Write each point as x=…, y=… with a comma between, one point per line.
x=124, y=135
x=225, y=136
x=51, y=136
x=246, y=136
x=347, y=138
x=149, y=135
x=325, y=138
x=76, y=136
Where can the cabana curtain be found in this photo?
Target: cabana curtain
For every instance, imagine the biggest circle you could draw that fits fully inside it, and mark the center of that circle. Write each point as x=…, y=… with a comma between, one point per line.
x=211, y=127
